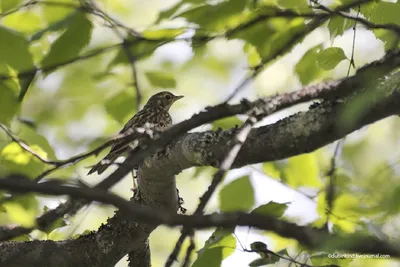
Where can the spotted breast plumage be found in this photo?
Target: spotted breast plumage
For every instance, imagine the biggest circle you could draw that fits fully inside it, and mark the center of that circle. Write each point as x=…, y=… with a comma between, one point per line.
x=155, y=113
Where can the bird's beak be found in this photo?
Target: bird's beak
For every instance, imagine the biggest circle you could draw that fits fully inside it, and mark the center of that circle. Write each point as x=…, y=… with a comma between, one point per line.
x=177, y=97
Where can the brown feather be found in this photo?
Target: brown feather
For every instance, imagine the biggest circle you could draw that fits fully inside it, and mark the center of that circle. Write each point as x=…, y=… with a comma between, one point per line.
x=154, y=112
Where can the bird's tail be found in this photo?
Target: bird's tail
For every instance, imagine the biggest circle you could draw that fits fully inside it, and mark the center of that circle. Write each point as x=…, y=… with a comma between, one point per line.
x=103, y=164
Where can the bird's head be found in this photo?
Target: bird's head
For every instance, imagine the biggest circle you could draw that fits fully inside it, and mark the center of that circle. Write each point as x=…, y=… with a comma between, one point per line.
x=163, y=100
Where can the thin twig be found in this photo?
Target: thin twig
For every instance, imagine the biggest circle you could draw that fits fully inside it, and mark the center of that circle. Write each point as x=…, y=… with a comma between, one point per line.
x=330, y=189
x=353, y=46
x=57, y=164
x=89, y=55
x=32, y=3
x=189, y=251
x=125, y=45
x=48, y=68
x=26, y=147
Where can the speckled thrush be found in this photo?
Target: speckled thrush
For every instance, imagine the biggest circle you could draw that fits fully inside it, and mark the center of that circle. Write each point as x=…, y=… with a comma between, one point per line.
x=155, y=113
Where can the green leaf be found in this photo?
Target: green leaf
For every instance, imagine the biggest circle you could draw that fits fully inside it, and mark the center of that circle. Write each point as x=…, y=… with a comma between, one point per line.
x=237, y=195
x=120, y=106
x=337, y=25
x=392, y=200
x=86, y=232
x=271, y=209
x=55, y=225
x=383, y=12
x=53, y=27
x=253, y=56
x=22, y=238
x=167, y=13
x=163, y=33
x=53, y=13
x=14, y=152
x=220, y=238
x=329, y=58
x=19, y=215
x=161, y=79
x=16, y=160
x=272, y=170
x=24, y=21
x=218, y=247
x=210, y=258
x=288, y=29
x=258, y=35
x=303, y=170
x=71, y=42
x=9, y=104
x=59, y=223
x=139, y=49
x=216, y=16
x=25, y=83
x=344, y=206
x=6, y=5
x=14, y=50
x=269, y=37
x=22, y=210
x=389, y=38
x=367, y=9
x=307, y=68
x=32, y=137
x=264, y=261
x=226, y=123
x=294, y=4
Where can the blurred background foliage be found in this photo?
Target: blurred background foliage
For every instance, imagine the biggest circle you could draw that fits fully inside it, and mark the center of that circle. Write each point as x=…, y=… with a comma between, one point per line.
x=70, y=87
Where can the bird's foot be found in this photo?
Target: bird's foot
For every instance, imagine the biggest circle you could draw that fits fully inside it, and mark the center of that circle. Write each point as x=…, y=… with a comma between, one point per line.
x=136, y=195
x=180, y=203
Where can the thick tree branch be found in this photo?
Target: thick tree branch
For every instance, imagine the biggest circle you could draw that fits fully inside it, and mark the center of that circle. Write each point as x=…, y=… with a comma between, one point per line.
x=236, y=144
x=301, y=133
x=331, y=90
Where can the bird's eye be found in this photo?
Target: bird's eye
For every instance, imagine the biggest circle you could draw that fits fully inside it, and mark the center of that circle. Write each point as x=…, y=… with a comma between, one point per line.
x=168, y=97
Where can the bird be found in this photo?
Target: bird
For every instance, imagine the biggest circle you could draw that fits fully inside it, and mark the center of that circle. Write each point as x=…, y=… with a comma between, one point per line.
x=155, y=113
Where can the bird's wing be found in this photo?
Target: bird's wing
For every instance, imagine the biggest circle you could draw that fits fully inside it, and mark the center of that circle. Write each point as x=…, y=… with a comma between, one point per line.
x=135, y=121
x=160, y=118
x=138, y=120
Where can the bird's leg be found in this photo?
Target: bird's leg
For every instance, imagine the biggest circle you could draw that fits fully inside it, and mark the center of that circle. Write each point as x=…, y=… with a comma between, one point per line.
x=136, y=195
x=180, y=203
x=135, y=187
x=134, y=176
